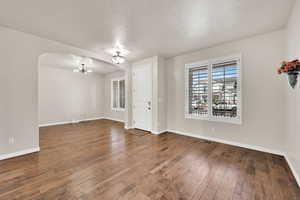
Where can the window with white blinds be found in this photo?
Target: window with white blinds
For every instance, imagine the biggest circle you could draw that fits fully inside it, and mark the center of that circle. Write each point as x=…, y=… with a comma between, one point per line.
x=213, y=90
x=122, y=94
x=115, y=85
x=118, y=94
x=198, y=90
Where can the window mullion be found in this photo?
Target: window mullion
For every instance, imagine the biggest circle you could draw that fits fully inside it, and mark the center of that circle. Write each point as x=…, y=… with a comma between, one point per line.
x=118, y=94
x=209, y=90
x=187, y=91
x=239, y=89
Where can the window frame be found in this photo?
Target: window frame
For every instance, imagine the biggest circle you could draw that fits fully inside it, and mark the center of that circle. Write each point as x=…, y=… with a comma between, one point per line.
x=118, y=108
x=209, y=63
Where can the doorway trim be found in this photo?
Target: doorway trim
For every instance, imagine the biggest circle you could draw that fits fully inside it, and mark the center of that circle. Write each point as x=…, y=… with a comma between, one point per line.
x=135, y=65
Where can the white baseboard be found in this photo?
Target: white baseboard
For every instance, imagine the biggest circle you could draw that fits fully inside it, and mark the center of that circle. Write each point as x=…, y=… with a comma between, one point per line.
x=257, y=148
x=114, y=119
x=128, y=127
x=91, y=119
x=55, y=123
x=294, y=172
x=158, y=132
x=70, y=122
x=82, y=120
x=19, y=153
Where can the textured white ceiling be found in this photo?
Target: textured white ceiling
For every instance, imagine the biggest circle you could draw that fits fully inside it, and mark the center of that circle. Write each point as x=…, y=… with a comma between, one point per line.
x=145, y=27
x=70, y=62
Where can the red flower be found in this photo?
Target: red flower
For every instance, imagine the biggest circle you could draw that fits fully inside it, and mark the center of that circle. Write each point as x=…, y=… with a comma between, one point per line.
x=289, y=66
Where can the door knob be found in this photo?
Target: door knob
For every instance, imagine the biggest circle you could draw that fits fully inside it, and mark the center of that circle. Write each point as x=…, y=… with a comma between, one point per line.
x=149, y=105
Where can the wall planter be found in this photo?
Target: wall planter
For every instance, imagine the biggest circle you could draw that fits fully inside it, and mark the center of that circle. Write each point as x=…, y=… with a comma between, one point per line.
x=292, y=77
x=292, y=70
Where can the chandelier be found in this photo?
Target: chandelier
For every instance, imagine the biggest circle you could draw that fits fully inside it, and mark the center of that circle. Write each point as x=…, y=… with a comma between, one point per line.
x=118, y=54
x=82, y=69
x=118, y=58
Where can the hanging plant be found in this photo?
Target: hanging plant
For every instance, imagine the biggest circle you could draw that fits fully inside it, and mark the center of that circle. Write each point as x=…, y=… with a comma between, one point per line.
x=292, y=69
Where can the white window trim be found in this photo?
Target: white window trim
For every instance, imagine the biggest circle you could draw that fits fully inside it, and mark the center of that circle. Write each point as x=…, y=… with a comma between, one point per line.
x=209, y=63
x=118, y=93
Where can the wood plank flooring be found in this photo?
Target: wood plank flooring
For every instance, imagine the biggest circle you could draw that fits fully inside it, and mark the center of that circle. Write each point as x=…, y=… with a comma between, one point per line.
x=100, y=160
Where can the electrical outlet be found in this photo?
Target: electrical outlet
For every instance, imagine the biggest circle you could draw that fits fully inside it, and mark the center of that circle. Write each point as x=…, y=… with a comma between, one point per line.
x=11, y=140
x=213, y=129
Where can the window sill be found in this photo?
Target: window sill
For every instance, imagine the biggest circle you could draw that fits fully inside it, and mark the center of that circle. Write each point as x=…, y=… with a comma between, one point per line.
x=237, y=120
x=118, y=109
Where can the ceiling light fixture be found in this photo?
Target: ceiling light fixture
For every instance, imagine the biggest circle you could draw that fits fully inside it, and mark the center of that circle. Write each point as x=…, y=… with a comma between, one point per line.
x=83, y=69
x=118, y=58
x=118, y=54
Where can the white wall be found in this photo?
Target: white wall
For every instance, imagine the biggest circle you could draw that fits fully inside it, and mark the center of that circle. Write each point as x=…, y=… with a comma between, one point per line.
x=65, y=96
x=263, y=99
x=109, y=113
x=292, y=101
x=261, y=92
x=128, y=98
x=159, y=95
x=19, y=55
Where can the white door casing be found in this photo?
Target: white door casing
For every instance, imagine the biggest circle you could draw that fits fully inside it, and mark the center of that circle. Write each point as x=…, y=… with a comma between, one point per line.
x=142, y=95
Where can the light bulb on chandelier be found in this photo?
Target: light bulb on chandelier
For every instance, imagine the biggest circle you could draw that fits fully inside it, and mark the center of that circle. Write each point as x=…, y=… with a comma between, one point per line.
x=118, y=58
x=82, y=69
x=118, y=54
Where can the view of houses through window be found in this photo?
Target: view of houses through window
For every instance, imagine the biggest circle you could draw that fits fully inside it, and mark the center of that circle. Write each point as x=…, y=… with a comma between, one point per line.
x=224, y=90
x=198, y=90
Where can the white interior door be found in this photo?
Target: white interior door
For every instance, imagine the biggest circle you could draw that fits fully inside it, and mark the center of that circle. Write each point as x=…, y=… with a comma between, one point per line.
x=142, y=95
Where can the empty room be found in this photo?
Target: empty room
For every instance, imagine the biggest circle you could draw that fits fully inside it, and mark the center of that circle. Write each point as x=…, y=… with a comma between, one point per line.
x=150, y=100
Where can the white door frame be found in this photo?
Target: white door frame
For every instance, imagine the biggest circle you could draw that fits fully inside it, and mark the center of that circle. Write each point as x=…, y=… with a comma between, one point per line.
x=134, y=65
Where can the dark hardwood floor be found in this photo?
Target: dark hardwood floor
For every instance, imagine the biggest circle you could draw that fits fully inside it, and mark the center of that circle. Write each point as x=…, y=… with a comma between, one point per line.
x=100, y=160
